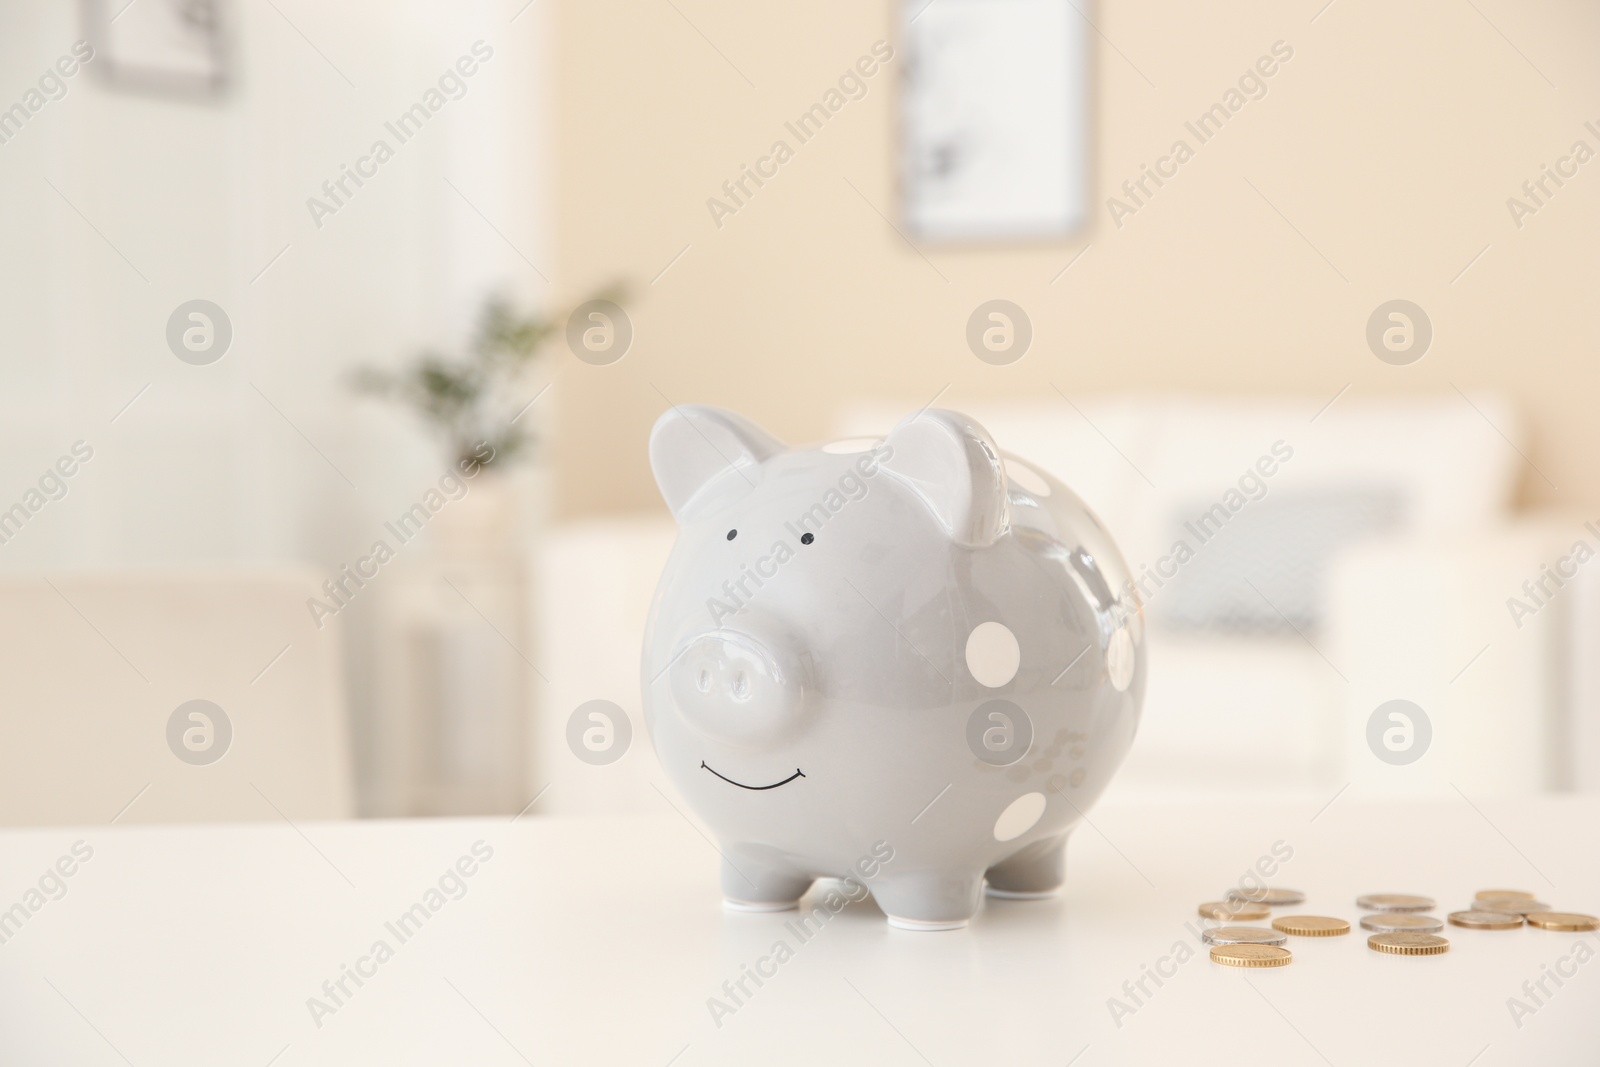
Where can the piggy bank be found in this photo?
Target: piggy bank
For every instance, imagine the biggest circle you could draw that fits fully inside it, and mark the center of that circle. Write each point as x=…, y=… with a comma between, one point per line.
x=912, y=663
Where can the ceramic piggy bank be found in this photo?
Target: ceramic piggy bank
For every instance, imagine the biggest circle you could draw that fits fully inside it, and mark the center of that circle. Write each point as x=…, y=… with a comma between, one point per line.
x=912, y=663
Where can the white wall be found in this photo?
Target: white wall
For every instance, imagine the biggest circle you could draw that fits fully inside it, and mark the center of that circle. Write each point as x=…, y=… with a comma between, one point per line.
x=199, y=197
x=194, y=199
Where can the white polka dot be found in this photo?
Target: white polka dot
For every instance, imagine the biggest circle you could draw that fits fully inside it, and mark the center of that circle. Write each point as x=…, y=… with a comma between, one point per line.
x=850, y=446
x=1026, y=477
x=1019, y=816
x=992, y=654
x=1119, y=659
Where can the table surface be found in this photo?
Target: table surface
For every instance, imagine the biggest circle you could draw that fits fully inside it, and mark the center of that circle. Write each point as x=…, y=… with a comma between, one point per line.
x=604, y=941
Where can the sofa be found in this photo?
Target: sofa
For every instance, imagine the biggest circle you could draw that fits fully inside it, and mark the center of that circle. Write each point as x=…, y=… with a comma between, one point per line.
x=1301, y=563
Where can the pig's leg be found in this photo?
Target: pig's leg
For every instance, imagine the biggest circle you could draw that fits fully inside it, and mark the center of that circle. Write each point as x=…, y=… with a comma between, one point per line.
x=753, y=885
x=1035, y=873
x=928, y=900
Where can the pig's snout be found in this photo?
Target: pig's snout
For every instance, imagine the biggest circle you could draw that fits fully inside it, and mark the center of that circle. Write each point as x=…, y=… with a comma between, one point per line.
x=737, y=689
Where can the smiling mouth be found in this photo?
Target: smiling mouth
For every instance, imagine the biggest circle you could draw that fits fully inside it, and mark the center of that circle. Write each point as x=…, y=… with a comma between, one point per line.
x=797, y=774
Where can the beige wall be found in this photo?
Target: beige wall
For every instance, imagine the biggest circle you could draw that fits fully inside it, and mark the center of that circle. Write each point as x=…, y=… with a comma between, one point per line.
x=1392, y=140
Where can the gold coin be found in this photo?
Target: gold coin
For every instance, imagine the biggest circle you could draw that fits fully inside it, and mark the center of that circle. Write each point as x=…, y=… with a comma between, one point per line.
x=1251, y=956
x=1409, y=944
x=1562, y=920
x=1510, y=907
x=1272, y=898
x=1503, y=894
x=1311, y=926
x=1394, y=902
x=1394, y=922
x=1231, y=910
x=1478, y=919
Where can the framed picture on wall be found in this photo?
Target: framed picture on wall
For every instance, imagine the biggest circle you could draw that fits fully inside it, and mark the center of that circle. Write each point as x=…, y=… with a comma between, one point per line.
x=170, y=47
x=995, y=119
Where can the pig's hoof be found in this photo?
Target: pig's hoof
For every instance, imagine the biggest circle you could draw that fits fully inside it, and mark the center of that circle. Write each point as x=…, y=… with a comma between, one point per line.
x=760, y=905
x=926, y=925
x=1022, y=894
x=929, y=900
x=755, y=885
x=1035, y=873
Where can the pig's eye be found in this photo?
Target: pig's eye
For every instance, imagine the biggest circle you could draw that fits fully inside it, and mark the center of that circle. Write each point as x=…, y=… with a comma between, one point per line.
x=732, y=534
x=807, y=538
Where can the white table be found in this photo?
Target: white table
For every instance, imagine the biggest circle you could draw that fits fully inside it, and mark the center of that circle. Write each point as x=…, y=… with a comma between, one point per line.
x=585, y=942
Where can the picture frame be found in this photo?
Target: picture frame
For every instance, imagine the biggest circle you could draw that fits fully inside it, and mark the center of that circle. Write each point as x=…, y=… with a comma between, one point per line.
x=995, y=120
x=172, y=48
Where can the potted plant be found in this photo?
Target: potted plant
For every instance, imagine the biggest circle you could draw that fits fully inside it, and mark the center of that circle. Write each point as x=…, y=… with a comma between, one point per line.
x=452, y=646
x=478, y=403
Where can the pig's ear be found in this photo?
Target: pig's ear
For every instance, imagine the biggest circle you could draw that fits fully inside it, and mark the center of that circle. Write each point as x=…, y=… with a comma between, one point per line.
x=693, y=446
x=951, y=462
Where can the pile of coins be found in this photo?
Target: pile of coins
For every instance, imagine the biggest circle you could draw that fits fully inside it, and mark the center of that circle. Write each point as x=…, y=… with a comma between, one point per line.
x=1507, y=909
x=1397, y=921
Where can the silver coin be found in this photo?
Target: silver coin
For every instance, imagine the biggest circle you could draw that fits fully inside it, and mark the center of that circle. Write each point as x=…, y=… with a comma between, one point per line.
x=1394, y=902
x=1486, y=920
x=1272, y=898
x=1398, y=922
x=1243, y=935
x=1510, y=907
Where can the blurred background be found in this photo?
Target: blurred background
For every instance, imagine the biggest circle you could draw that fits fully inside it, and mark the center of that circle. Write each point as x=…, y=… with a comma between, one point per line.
x=333, y=336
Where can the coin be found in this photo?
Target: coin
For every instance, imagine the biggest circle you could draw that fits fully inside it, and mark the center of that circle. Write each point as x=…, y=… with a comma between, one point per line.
x=1242, y=935
x=1562, y=920
x=1503, y=894
x=1485, y=920
x=1394, y=902
x=1272, y=898
x=1311, y=925
x=1409, y=944
x=1251, y=956
x=1228, y=910
x=1510, y=907
x=1395, y=922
